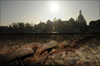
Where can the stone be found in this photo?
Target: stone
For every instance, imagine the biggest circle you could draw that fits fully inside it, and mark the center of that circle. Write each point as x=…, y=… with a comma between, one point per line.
x=72, y=61
x=79, y=63
x=87, y=63
x=92, y=62
x=98, y=48
x=49, y=62
x=82, y=49
x=63, y=55
x=59, y=62
x=77, y=58
x=90, y=49
x=73, y=44
x=79, y=53
x=97, y=56
x=91, y=57
x=53, y=51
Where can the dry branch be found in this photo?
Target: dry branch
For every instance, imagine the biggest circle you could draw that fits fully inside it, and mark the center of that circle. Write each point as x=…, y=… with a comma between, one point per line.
x=21, y=52
x=46, y=46
x=32, y=45
x=37, y=59
x=64, y=44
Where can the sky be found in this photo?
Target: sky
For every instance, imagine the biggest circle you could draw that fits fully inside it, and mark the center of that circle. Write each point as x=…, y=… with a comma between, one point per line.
x=36, y=11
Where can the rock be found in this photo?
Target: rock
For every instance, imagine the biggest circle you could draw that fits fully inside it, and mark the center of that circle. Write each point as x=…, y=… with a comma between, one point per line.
x=73, y=44
x=98, y=48
x=72, y=61
x=92, y=62
x=91, y=57
x=49, y=62
x=79, y=63
x=79, y=53
x=59, y=62
x=90, y=49
x=63, y=55
x=53, y=51
x=50, y=56
x=84, y=59
x=94, y=52
x=82, y=49
x=97, y=56
x=77, y=58
x=87, y=63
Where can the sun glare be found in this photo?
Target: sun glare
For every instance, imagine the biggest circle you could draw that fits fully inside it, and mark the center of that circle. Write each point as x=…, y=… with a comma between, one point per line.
x=54, y=7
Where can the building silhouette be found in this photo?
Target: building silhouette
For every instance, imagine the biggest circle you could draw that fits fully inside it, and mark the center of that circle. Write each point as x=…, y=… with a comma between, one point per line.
x=81, y=22
x=70, y=26
x=56, y=25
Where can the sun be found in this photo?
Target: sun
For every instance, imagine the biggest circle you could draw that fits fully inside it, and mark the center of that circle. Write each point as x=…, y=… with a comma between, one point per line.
x=54, y=7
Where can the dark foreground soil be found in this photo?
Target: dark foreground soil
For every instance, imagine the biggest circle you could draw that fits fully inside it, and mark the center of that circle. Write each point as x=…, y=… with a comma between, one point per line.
x=86, y=54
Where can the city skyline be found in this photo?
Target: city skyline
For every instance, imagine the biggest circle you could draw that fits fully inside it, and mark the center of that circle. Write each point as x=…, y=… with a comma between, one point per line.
x=36, y=11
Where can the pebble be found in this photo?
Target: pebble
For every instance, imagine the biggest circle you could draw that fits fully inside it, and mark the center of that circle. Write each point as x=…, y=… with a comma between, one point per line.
x=77, y=58
x=79, y=53
x=72, y=61
x=60, y=62
x=87, y=63
x=83, y=56
x=63, y=55
x=79, y=63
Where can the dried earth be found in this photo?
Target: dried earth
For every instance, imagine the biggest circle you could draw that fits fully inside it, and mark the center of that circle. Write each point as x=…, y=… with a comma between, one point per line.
x=52, y=50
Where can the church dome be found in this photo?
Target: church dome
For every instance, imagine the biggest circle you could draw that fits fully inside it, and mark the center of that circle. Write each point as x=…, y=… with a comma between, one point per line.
x=59, y=20
x=71, y=19
x=54, y=20
x=80, y=16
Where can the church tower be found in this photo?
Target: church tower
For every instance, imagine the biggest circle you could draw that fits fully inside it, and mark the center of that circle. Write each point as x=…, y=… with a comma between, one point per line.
x=81, y=21
x=80, y=12
x=80, y=17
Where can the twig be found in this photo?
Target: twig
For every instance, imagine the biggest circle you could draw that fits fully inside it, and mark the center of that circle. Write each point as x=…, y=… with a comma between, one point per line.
x=21, y=62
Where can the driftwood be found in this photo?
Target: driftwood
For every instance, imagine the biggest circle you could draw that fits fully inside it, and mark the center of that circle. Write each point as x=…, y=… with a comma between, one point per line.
x=41, y=58
x=40, y=54
x=32, y=45
x=46, y=46
x=65, y=44
x=21, y=52
x=37, y=59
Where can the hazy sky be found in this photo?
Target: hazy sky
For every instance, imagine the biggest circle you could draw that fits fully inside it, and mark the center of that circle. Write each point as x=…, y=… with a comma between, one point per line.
x=36, y=11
